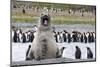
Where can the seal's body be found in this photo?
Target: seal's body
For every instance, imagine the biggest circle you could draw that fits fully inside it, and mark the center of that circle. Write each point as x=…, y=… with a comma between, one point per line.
x=44, y=45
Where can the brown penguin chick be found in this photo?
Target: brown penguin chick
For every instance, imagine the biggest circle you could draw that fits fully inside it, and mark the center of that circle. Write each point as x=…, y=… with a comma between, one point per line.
x=89, y=53
x=77, y=53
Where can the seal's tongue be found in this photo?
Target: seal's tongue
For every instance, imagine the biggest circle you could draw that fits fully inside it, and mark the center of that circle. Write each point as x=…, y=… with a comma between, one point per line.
x=45, y=22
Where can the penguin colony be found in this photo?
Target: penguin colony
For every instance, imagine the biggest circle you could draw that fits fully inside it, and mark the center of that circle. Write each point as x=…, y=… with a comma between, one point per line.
x=74, y=36
x=60, y=37
x=22, y=37
x=88, y=37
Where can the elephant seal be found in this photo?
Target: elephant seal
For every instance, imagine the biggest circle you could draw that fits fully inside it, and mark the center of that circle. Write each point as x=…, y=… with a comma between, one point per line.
x=44, y=45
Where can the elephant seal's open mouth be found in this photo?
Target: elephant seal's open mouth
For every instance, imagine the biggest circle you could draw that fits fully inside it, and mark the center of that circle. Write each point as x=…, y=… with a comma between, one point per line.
x=45, y=20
